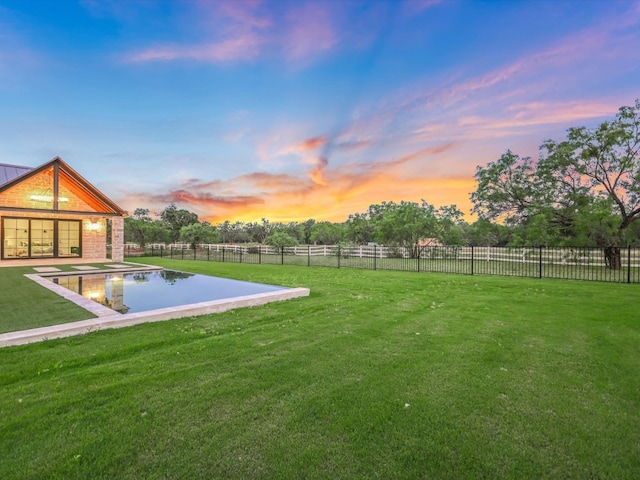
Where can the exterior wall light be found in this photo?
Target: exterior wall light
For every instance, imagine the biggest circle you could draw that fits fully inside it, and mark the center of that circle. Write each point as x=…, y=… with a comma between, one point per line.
x=93, y=226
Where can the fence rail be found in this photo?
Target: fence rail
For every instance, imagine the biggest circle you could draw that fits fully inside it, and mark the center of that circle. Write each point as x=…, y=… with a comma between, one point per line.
x=579, y=263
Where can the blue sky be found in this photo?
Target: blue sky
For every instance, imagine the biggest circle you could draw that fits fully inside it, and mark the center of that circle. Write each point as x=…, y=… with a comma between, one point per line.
x=291, y=110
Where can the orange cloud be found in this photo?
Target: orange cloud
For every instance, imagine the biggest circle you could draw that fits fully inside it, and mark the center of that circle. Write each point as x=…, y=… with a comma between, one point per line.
x=323, y=192
x=317, y=174
x=312, y=143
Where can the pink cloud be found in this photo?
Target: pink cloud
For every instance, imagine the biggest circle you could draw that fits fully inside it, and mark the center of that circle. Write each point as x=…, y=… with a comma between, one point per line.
x=239, y=48
x=415, y=7
x=297, y=32
x=309, y=31
x=311, y=143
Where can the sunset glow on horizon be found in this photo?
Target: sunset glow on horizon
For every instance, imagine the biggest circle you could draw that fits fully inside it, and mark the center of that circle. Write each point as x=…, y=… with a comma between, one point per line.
x=296, y=110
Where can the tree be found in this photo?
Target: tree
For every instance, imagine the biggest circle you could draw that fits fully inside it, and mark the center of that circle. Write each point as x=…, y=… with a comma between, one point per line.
x=176, y=218
x=326, y=233
x=258, y=232
x=586, y=188
x=198, y=233
x=359, y=229
x=602, y=164
x=280, y=240
x=483, y=233
x=406, y=224
x=307, y=229
x=451, y=231
x=140, y=228
x=508, y=189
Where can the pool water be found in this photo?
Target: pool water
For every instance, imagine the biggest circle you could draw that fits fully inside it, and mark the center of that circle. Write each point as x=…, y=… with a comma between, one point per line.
x=131, y=292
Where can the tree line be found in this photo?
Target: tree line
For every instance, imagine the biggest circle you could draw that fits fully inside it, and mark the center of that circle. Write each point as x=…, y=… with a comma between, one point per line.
x=583, y=191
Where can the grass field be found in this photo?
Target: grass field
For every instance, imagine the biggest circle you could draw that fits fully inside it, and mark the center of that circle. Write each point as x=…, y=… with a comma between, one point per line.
x=24, y=304
x=375, y=375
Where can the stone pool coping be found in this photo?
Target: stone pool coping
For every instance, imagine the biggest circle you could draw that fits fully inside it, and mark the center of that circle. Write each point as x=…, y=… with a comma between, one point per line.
x=107, y=318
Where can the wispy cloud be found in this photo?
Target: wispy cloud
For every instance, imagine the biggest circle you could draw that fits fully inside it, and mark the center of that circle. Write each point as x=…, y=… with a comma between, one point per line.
x=243, y=47
x=240, y=31
x=310, y=31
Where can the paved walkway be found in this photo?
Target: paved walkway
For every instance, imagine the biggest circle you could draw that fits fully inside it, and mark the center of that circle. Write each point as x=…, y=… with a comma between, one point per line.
x=46, y=262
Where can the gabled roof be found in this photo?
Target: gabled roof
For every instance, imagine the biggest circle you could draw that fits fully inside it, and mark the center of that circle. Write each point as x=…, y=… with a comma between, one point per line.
x=17, y=174
x=9, y=172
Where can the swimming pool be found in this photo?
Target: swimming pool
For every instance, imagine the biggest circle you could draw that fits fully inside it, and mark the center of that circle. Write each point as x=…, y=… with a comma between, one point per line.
x=220, y=295
x=131, y=292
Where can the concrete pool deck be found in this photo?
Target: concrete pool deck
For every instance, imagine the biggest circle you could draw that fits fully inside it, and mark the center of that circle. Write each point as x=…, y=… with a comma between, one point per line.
x=107, y=318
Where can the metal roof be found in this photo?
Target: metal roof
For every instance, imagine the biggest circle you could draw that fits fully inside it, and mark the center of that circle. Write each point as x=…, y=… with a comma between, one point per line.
x=9, y=172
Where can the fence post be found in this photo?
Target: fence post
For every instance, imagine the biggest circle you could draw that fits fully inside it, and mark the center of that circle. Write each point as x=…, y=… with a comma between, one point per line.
x=308, y=255
x=222, y=254
x=208, y=252
x=260, y=255
x=471, y=259
x=375, y=256
x=281, y=255
x=195, y=248
x=338, y=256
x=540, y=262
x=171, y=251
x=418, y=259
x=629, y=263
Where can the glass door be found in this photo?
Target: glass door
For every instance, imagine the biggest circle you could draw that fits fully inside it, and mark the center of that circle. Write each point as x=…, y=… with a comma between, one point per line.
x=68, y=238
x=38, y=238
x=15, y=241
x=41, y=244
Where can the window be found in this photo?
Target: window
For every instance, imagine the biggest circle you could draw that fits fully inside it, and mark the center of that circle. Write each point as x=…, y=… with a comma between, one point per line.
x=68, y=238
x=40, y=238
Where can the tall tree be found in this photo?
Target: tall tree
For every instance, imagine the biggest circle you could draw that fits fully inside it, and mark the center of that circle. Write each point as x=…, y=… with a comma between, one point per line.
x=585, y=187
x=176, y=218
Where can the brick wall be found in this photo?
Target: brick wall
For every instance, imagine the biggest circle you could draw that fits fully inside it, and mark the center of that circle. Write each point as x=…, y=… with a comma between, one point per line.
x=19, y=195
x=117, y=239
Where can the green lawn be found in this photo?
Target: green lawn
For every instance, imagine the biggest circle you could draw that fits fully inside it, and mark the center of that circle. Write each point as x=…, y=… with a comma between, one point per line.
x=24, y=304
x=376, y=375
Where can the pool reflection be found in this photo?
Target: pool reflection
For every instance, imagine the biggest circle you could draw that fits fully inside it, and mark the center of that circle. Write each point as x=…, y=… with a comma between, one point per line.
x=128, y=292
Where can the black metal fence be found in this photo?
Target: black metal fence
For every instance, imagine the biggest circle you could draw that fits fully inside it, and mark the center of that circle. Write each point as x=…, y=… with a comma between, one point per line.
x=579, y=263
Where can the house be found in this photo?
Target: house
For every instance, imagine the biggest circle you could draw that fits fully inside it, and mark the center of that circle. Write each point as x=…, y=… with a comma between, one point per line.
x=51, y=213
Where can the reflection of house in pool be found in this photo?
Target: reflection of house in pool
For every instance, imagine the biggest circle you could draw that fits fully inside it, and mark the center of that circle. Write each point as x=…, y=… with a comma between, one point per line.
x=108, y=289
x=51, y=212
x=95, y=287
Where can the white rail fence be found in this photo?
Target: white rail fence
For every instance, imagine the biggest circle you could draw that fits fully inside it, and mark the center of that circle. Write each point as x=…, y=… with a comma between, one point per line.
x=531, y=255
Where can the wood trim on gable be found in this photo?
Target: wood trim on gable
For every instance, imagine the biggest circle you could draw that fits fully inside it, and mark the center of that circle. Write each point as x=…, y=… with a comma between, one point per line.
x=75, y=182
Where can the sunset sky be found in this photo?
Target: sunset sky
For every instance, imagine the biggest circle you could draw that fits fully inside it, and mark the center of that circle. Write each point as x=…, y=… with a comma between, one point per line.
x=291, y=110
